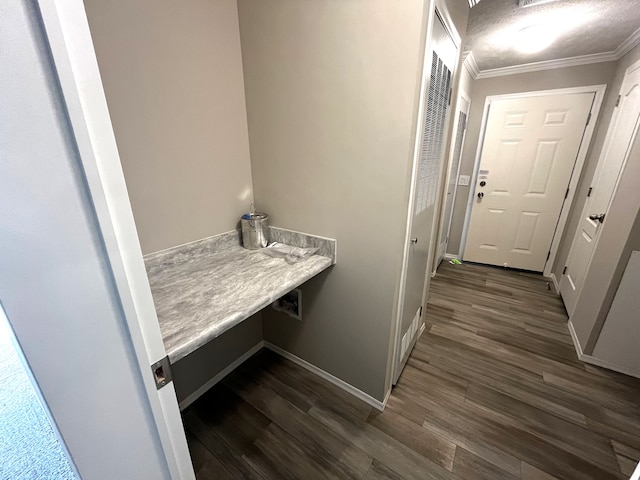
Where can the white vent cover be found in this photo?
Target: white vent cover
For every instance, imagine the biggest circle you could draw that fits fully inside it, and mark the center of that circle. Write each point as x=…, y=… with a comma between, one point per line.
x=530, y=3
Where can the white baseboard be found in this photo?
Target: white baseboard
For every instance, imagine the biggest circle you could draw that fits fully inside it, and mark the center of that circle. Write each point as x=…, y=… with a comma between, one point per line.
x=597, y=361
x=365, y=397
x=230, y=368
x=574, y=338
x=451, y=256
x=555, y=282
x=386, y=399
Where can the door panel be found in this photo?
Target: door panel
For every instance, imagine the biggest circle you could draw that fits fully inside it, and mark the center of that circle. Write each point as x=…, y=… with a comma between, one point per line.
x=426, y=188
x=620, y=136
x=530, y=148
x=60, y=287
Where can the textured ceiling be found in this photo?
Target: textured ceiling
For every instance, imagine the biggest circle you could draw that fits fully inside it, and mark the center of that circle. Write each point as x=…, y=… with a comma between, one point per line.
x=584, y=26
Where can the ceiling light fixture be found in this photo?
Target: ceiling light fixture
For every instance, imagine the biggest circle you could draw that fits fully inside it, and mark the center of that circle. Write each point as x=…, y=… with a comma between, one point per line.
x=534, y=38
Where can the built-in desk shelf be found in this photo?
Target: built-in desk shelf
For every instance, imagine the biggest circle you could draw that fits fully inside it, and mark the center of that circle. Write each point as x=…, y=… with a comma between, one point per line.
x=204, y=288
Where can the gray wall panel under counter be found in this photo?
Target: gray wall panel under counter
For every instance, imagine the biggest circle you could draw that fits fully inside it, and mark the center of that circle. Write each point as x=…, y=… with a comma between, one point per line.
x=199, y=367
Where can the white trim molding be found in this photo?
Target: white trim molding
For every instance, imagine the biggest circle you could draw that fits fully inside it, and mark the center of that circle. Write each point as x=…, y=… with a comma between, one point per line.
x=365, y=397
x=359, y=394
x=625, y=47
x=629, y=44
x=470, y=64
x=596, y=361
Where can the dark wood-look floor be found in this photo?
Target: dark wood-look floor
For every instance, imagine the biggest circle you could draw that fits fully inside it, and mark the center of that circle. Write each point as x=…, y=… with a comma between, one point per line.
x=493, y=390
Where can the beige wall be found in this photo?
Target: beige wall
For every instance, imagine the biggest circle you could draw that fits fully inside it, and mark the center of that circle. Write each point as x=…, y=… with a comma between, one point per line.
x=172, y=73
x=330, y=90
x=596, y=74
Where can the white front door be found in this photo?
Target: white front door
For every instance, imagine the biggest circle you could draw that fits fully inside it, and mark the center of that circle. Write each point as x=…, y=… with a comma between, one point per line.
x=529, y=151
x=70, y=261
x=427, y=181
x=620, y=136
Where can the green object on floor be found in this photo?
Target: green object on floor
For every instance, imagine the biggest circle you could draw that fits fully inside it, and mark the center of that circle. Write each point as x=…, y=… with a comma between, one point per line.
x=455, y=261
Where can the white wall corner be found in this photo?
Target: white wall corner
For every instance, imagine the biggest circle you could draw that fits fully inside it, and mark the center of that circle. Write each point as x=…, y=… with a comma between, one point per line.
x=596, y=361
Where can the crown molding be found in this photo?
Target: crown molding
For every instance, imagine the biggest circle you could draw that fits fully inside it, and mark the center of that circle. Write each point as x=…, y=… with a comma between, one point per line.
x=548, y=65
x=630, y=43
x=625, y=47
x=470, y=64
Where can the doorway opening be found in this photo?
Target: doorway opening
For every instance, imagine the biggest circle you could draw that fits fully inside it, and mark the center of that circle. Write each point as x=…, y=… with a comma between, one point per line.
x=504, y=154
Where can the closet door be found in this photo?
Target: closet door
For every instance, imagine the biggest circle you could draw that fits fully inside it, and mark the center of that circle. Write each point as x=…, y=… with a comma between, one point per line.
x=421, y=240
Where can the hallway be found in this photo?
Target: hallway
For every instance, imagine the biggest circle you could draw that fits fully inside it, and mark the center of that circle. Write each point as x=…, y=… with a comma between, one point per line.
x=493, y=390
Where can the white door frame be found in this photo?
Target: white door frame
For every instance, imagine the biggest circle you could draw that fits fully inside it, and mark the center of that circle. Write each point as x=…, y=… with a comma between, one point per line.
x=396, y=327
x=456, y=119
x=69, y=38
x=599, y=91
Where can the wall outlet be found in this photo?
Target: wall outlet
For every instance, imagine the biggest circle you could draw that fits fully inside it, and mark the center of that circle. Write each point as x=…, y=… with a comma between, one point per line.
x=290, y=303
x=464, y=179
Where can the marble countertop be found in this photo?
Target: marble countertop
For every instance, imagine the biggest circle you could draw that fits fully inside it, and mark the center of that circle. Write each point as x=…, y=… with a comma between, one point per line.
x=203, y=289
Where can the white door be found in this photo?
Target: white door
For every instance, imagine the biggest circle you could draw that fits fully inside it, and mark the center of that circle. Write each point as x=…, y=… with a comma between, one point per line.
x=427, y=181
x=452, y=178
x=622, y=131
x=69, y=257
x=529, y=151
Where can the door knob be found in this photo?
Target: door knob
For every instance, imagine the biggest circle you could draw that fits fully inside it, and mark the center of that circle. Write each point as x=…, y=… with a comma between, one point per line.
x=599, y=217
x=480, y=195
x=414, y=240
x=483, y=183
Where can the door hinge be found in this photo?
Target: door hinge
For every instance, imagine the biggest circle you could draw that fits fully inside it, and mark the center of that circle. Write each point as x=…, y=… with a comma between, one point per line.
x=162, y=373
x=588, y=118
x=566, y=194
x=589, y=192
x=420, y=312
x=548, y=254
x=564, y=270
x=618, y=101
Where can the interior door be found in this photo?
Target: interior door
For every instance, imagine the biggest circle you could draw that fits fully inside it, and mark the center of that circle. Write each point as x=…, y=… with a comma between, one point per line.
x=62, y=286
x=622, y=131
x=529, y=151
x=452, y=179
x=444, y=55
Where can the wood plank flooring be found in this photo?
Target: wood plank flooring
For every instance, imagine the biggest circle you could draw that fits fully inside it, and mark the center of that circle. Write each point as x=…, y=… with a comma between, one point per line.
x=493, y=390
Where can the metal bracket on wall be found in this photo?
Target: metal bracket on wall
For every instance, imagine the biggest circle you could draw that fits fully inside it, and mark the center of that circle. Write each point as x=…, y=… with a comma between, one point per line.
x=162, y=373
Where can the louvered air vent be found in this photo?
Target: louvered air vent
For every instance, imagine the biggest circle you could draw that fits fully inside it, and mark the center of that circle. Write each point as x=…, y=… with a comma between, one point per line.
x=531, y=3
